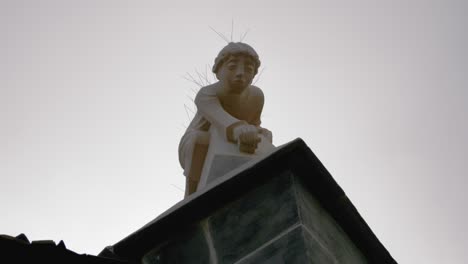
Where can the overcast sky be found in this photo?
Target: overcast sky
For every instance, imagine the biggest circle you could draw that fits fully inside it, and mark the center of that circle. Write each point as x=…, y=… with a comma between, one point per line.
x=92, y=110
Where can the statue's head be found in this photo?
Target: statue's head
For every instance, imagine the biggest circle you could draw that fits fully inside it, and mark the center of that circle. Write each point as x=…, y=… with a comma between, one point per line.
x=234, y=49
x=236, y=65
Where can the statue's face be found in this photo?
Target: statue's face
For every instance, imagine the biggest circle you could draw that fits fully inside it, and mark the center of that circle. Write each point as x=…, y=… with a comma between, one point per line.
x=237, y=73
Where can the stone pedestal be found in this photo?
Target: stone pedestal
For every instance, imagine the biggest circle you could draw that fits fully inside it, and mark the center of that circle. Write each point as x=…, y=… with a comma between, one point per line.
x=277, y=222
x=286, y=208
x=224, y=156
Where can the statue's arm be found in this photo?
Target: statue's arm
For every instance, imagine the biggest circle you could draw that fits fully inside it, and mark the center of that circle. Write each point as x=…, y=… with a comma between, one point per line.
x=210, y=107
x=259, y=101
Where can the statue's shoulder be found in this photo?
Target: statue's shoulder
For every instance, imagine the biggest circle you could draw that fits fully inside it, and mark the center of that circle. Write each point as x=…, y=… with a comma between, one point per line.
x=256, y=91
x=210, y=90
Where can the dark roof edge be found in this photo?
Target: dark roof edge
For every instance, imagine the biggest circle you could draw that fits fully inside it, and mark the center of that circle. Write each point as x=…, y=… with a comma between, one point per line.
x=334, y=200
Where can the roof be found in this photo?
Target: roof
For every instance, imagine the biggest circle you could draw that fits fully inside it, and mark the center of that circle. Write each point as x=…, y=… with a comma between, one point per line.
x=19, y=250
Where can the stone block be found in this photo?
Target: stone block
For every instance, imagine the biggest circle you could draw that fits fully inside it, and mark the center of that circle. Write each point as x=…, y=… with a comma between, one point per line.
x=320, y=224
x=294, y=247
x=187, y=247
x=254, y=219
x=223, y=164
x=276, y=222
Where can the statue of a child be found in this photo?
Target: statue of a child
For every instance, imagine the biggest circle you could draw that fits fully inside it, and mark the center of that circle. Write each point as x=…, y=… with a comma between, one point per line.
x=232, y=104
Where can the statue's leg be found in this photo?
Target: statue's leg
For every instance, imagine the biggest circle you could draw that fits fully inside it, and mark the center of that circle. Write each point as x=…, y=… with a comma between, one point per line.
x=200, y=149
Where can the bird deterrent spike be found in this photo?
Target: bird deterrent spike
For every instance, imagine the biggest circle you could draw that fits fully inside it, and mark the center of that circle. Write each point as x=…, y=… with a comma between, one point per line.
x=175, y=186
x=193, y=101
x=206, y=74
x=193, y=80
x=220, y=35
x=232, y=28
x=200, y=77
x=258, y=76
x=245, y=34
x=186, y=112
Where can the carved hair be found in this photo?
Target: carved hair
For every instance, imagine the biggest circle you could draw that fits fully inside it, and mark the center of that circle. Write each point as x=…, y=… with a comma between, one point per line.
x=233, y=49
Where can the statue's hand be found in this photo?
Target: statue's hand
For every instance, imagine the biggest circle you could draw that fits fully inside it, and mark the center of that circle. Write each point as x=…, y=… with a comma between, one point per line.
x=266, y=133
x=247, y=138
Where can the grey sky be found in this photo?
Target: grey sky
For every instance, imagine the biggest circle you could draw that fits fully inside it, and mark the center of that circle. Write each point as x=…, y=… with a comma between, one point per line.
x=92, y=110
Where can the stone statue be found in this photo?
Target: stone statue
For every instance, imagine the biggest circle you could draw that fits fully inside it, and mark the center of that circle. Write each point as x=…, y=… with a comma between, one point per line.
x=228, y=114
